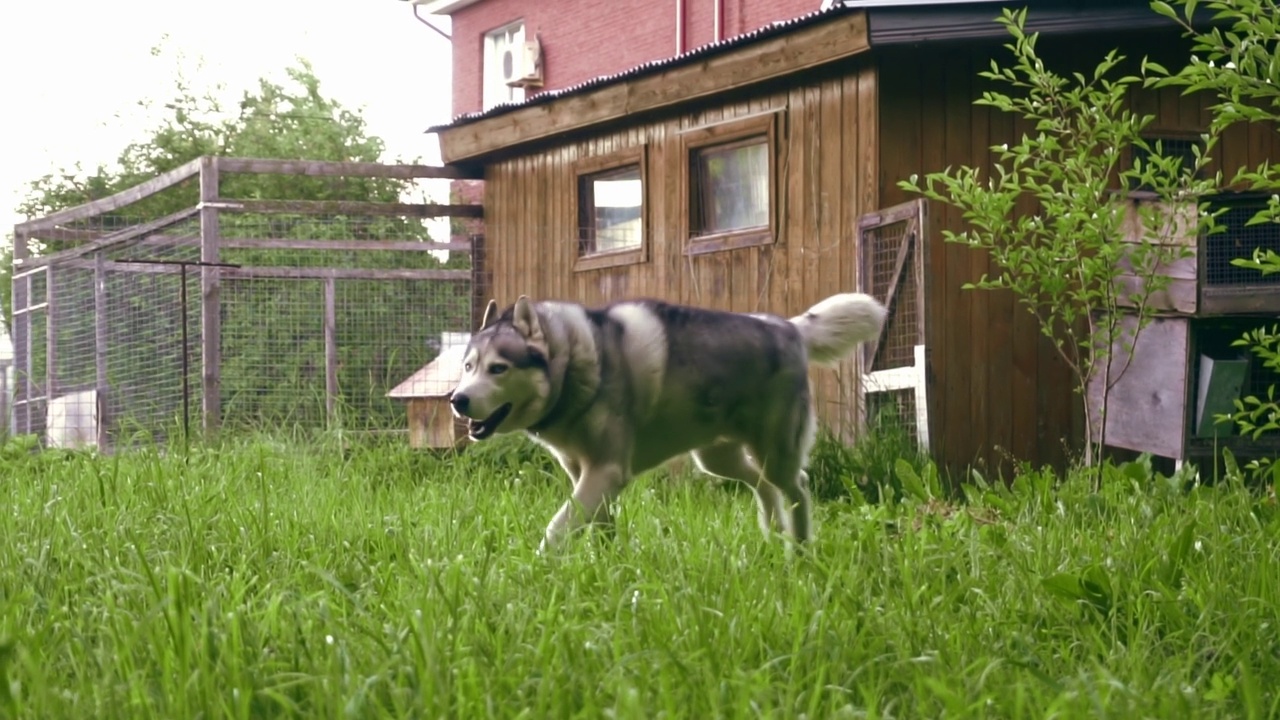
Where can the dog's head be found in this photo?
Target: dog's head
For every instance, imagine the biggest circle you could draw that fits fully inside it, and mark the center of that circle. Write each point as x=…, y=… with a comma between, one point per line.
x=505, y=385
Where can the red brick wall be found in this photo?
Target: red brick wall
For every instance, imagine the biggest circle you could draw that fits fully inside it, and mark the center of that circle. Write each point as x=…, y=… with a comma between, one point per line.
x=583, y=39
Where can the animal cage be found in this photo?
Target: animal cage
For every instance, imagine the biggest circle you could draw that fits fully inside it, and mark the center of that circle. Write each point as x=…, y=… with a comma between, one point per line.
x=233, y=313
x=1182, y=369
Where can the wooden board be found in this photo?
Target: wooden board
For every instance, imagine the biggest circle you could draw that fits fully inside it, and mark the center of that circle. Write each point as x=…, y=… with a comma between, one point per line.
x=315, y=168
x=1147, y=403
x=116, y=201
x=348, y=207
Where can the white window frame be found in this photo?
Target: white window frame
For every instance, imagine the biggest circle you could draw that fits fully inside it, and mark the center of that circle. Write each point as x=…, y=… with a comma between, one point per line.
x=494, y=88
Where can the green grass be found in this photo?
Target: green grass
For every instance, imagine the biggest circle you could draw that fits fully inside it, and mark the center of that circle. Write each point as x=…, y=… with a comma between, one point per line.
x=272, y=579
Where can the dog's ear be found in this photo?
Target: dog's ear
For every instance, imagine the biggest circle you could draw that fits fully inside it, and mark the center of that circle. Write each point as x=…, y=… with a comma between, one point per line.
x=525, y=320
x=490, y=314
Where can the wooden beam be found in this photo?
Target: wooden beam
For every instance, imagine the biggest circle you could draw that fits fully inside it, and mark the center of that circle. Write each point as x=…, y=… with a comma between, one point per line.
x=100, y=349
x=330, y=350
x=344, y=169
x=116, y=201
x=316, y=273
x=248, y=243
x=107, y=241
x=290, y=273
x=357, y=245
x=210, y=301
x=842, y=37
x=344, y=207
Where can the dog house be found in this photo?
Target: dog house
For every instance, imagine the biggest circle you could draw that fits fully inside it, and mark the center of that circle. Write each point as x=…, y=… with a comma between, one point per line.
x=1183, y=368
x=431, y=421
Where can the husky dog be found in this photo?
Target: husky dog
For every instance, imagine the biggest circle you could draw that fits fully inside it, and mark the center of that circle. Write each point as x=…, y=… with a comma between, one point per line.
x=617, y=390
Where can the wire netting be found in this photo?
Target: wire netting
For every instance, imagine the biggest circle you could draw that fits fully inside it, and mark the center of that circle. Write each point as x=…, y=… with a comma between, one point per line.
x=1239, y=240
x=319, y=317
x=891, y=271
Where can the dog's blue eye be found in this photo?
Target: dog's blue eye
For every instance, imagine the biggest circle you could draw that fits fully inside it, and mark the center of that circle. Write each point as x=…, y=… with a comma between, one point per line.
x=497, y=369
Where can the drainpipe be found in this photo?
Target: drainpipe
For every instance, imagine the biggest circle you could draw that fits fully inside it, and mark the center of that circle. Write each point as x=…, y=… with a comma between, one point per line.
x=679, y=26
x=428, y=23
x=719, y=22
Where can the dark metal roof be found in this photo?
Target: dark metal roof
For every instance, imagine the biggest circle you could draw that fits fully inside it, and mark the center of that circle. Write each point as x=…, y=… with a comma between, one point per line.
x=889, y=22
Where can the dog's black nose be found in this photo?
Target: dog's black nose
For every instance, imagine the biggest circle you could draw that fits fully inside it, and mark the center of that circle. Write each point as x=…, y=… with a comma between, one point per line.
x=459, y=401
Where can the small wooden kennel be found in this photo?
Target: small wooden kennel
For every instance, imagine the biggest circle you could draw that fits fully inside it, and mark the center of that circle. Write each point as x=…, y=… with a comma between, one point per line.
x=1183, y=368
x=431, y=421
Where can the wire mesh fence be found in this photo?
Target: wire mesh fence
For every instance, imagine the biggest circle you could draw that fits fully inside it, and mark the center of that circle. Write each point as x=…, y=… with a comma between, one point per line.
x=316, y=314
x=1239, y=240
x=893, y=272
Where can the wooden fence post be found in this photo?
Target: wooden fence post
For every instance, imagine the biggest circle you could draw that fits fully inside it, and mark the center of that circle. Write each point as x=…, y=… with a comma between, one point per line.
x=100, y=347
x=480, y=285
x=21, y=337
x=210, y=299
x=330, y=348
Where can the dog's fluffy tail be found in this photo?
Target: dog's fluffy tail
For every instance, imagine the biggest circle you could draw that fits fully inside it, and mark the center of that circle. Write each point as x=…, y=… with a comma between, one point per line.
x=834, y=327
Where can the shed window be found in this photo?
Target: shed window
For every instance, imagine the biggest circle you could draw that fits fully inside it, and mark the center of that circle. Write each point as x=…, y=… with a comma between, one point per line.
x=1181, y=146
x=610, y=209
x=731, y=184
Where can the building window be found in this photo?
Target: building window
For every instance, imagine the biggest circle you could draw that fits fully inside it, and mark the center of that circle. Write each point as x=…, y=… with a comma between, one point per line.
x=610, y=209
x=1181, y=146
x=503, y=49
x=731, y=185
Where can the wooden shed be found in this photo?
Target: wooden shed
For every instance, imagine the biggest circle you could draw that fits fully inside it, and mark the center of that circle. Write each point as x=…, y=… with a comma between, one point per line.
x=761, y=174
x=431, y=421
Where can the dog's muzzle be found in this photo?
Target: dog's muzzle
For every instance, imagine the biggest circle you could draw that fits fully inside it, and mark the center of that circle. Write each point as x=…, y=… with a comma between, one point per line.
x=459, y=402
x=482, y=428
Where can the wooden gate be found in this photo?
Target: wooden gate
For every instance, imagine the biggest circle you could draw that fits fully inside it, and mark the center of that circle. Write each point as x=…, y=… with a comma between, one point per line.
x=892, y=261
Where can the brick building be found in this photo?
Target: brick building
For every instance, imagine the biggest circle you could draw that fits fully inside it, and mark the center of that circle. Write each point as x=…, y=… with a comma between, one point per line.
x=577, y=40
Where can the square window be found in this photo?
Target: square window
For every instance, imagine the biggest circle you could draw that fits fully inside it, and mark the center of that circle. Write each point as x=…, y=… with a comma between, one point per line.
x=503, y=49
x=1168, y=146
x=730, y=186
x=610, y=210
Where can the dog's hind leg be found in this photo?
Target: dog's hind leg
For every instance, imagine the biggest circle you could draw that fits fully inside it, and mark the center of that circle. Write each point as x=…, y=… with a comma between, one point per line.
x=598, y=485
x=784, y=458
x=730, y=461
x=782, y=469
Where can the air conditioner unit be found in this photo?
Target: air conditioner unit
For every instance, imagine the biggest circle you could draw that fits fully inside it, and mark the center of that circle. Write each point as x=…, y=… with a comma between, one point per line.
x=527, y=71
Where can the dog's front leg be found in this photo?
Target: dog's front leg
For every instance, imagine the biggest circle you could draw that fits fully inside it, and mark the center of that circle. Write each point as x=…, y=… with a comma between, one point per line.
x=596, y=488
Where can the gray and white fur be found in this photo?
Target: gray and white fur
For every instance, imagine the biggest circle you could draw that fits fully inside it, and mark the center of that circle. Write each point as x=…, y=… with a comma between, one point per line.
x=617, y=390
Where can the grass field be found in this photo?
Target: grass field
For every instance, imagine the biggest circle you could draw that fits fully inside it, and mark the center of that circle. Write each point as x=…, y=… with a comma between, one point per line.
x=293, y=579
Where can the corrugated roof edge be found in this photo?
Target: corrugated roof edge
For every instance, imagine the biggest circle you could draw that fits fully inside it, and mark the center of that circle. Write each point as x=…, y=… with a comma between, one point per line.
x=781, y=27
x=776, y=28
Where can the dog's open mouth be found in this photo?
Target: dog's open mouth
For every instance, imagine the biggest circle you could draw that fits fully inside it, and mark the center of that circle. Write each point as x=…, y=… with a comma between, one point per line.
x=481, y=429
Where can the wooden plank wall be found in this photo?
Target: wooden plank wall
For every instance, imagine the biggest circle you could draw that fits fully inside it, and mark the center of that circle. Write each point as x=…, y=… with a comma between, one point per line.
x=999, y=388
x=826, y=161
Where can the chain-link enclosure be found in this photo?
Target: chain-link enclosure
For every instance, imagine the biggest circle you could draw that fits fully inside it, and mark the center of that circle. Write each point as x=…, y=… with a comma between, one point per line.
x=232, y=314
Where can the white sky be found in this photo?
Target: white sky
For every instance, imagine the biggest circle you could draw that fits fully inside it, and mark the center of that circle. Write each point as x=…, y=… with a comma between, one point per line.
x=72, y=74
